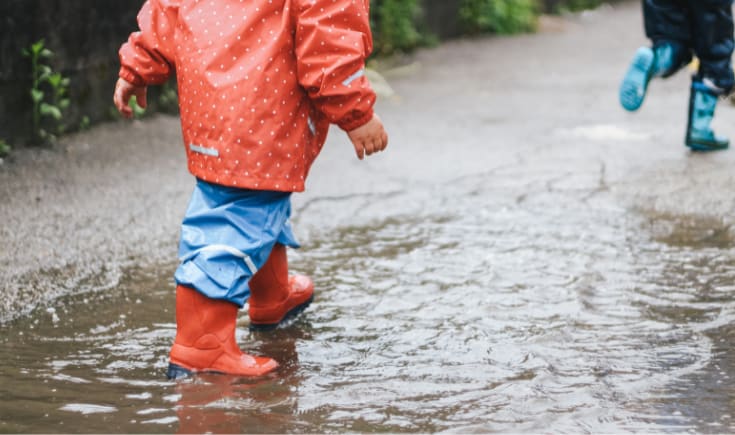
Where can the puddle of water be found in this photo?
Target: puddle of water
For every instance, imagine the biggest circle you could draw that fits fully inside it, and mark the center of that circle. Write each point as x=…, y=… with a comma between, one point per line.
x=487, y=306
x=690, y=231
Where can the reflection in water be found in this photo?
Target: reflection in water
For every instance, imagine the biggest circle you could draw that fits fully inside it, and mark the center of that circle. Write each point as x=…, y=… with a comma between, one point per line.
x=226, y=404
x=493, y=305
x=695, y=292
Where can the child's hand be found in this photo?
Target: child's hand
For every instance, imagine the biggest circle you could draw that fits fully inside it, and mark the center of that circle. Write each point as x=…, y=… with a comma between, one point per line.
x=123, y=92
x=370, y=138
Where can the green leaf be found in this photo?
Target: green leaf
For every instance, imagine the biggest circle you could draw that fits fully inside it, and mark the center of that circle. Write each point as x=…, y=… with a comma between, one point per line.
x=137, y=110
x=46, y=53
x=52, y=111
x=84, y=123
x=37, y=95
x=64, y=104
x=55, y=80
x=44, y=73
x=4, y=148
x=37, y=47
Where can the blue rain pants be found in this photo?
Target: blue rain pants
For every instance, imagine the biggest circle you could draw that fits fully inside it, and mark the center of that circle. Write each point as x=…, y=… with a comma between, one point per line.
x=227, y=235
x=695, y=27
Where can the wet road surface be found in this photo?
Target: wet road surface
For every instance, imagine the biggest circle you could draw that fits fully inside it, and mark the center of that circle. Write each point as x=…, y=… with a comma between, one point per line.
x=526, y=257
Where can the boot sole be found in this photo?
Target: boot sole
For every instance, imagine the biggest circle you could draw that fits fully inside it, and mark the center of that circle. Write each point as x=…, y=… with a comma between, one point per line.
x=259, y=327
x=705, y=147
x=635, y=83
x=176, y=372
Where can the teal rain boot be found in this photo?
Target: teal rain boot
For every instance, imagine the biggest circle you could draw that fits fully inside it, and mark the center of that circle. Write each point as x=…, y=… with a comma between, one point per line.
x=647, y=63
x=702, y=103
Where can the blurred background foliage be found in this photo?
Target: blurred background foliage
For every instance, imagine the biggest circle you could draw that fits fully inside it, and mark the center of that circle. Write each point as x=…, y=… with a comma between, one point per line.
x=499, y=16
x=396, y=25
x=402, y=25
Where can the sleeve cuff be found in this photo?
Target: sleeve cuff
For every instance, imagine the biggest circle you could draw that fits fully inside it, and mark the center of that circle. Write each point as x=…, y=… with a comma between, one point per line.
x=131, y=76
x=356, y=121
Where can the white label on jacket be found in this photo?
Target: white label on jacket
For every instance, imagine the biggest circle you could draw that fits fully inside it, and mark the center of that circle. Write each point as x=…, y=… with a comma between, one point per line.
x=353, y=77
x=202, y=150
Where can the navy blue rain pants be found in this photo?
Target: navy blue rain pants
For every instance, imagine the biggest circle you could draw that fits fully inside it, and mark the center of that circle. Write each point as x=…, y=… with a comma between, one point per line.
x=700, y=27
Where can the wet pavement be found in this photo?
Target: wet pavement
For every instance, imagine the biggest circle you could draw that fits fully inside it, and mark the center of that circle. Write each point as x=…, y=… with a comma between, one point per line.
x=526, y=257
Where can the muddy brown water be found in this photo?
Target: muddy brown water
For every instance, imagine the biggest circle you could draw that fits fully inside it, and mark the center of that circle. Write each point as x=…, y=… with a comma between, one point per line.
x=506, y=308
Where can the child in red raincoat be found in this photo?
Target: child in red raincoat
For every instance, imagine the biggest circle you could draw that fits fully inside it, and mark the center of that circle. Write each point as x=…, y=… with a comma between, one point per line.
x=259, y=83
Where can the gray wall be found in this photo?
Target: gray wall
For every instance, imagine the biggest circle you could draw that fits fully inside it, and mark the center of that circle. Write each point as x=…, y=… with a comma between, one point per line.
x=84, y=35
x=441, y=17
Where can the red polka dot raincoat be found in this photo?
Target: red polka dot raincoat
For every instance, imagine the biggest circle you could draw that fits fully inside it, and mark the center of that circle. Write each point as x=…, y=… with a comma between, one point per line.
x=259, y=81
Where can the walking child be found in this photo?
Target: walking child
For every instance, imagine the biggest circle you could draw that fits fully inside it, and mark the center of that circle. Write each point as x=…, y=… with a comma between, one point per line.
x=259, y=83
x=679, y=29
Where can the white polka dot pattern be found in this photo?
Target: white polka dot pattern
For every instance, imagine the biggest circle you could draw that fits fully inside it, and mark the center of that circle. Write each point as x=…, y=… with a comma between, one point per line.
x=259, y=81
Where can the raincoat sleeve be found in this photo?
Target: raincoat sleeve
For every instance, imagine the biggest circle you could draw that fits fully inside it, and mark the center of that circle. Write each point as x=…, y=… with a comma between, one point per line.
x=333, y=40
x=147, y=58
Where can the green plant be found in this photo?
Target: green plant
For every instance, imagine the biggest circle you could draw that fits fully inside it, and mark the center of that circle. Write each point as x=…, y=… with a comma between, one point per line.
x=4, y=148
x=168, y=100
x=138, y=111
x=395, y=24
x=498, y=16
x=84, y=123
x=49, y=92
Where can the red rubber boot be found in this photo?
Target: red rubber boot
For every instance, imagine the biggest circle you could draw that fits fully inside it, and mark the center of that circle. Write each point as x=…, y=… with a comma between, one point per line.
x=205, y=339
x=274, y=296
